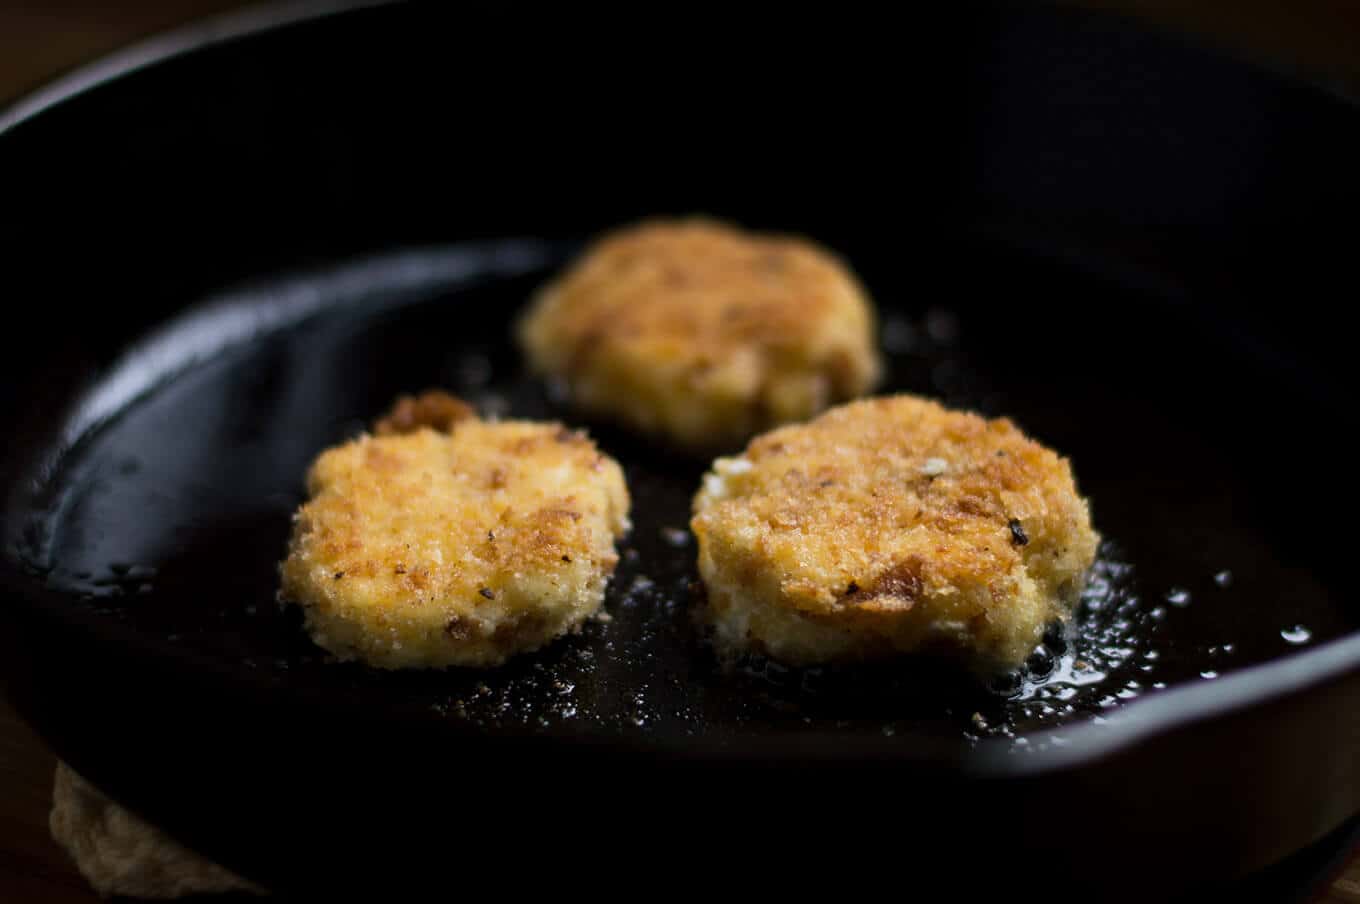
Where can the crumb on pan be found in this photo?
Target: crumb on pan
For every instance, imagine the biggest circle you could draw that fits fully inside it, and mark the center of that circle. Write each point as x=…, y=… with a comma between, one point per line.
x=891, y=526
x=702, y=332
x=423, y=548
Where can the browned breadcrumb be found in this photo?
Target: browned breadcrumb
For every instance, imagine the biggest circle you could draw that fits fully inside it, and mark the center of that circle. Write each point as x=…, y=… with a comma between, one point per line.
x=703, y=332
x=888, y=526
x=423, y=548
x=433, y=408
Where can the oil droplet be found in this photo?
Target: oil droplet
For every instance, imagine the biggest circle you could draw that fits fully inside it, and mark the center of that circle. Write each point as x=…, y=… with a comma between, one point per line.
x=558, y=390
x=1208, y=673
x=1178, y=596
x=942, y=326
x=675, y=536
x=474, y=370
x=1297, y=635
x=898, y=335
x=1223, y=578
x=945, y=376
x=493, y=406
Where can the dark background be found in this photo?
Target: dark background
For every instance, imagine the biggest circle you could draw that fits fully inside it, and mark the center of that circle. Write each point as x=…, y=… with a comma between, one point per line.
x=1317, y=38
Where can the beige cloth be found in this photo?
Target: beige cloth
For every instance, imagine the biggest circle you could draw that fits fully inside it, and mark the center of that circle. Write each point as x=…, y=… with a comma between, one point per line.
x=121, y=855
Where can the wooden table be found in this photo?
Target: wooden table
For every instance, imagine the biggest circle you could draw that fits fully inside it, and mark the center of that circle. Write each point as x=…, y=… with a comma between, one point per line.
x=32, y=867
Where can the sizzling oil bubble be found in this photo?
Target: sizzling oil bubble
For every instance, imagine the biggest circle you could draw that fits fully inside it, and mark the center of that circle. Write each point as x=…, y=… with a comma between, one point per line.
x=1074, y=663
x=1092, y=667
x=493, y=405
x=473, y=371
x=1178, y=596
x=1297, y=635
x=942, y=326
x=558, y=390
x=675, y=537
x=1224, y=578
x=1040, y=663
x=899, y=336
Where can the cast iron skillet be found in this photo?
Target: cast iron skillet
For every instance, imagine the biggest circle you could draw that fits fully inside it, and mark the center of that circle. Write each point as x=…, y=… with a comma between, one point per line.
x=235, y=246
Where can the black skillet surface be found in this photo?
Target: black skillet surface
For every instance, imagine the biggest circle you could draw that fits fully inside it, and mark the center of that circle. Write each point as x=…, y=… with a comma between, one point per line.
x=1123, y=244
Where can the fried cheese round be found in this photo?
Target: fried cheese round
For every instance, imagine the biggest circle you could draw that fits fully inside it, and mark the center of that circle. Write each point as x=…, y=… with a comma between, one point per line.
x=425, y=548
x=891, y=526
x=703, y=333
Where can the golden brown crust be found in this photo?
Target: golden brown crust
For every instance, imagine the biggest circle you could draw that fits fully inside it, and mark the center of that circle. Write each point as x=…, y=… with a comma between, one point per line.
x=432, y=549
x=704, y=332
x=433, y=408
x=894, y=524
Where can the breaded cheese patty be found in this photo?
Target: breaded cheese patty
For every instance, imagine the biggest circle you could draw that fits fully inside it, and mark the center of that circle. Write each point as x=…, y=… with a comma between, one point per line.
x=462, y=546
x=703, y=333
x=891, y=526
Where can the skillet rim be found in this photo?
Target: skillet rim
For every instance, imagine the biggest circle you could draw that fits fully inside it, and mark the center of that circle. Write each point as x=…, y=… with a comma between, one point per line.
x=1079, y=744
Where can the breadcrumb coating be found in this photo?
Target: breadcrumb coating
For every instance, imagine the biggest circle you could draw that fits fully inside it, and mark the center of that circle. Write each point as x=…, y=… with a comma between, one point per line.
x=891, y=526
x=704, y=333
x=422, y=548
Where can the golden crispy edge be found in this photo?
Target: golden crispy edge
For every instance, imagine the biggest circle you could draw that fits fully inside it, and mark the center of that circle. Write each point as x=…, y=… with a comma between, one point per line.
x=433, y=408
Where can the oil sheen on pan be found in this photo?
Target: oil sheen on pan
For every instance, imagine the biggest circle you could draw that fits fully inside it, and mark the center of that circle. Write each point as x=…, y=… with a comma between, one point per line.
x=180, y=540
